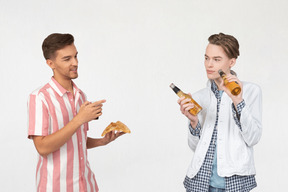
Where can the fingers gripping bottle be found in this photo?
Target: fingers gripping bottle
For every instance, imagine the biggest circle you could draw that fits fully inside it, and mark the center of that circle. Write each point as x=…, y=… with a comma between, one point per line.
x=197, y=108
x=233, y=86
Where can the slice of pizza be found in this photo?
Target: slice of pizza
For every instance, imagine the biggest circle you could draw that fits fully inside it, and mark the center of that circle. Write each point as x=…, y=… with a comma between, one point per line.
x=118, y=126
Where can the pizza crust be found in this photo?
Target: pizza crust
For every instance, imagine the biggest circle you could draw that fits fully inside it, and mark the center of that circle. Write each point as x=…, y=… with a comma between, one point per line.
x=118, y=126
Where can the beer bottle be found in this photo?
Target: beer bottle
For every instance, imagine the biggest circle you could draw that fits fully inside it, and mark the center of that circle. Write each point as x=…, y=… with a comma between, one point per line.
x=197, y=108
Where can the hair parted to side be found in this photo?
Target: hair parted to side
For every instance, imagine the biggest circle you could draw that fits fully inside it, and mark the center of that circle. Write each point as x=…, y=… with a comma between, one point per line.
x=229, y=44
x=54, y=42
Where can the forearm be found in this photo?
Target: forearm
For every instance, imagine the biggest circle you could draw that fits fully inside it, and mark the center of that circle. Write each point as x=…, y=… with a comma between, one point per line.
x=91, y=142
x=249, y=119
x=251, y=124
x=51, y=143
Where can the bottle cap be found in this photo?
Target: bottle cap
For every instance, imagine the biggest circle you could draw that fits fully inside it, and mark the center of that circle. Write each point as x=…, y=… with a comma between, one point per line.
x=175, y=89
x=221, y=73
x=172, y=86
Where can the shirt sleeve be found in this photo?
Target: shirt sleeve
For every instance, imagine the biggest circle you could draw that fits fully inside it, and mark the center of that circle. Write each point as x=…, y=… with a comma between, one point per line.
x=237, y=113
x=196, y=131
x=38, y=116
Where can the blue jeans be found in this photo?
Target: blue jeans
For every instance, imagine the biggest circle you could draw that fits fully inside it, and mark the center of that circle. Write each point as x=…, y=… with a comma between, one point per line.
x=213, y=189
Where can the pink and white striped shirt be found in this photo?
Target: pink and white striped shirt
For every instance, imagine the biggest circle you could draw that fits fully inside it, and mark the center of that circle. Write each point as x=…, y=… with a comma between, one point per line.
x=50, y=108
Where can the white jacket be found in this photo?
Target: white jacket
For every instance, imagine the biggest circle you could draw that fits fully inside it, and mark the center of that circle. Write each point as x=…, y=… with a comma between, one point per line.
x=234, y=147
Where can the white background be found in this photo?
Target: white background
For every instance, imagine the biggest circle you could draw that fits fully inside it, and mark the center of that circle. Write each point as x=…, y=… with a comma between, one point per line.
x=129, y=53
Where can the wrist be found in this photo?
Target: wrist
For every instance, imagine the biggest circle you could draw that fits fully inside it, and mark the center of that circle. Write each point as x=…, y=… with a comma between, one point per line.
x=236, y=101
x=77, y=121
x=102, y=141
x=193, y=124
x=91, y=142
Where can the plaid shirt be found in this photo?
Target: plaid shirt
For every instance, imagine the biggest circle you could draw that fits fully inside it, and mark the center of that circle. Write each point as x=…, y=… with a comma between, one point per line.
x=235, y=183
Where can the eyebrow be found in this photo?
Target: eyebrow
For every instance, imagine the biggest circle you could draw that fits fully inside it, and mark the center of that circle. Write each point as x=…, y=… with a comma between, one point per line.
x=69, y=56
x=66, y=57
x=216, y=57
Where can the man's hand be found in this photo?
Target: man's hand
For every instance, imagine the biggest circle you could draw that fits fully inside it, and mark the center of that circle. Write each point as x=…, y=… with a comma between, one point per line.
x=238, y=98
x=90, y=111
x=50, y=143
x=185, y=106
x=111, y=136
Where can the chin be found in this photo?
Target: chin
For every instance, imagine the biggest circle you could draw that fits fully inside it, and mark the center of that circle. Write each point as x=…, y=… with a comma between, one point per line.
x=74, y=76
x=211, y=76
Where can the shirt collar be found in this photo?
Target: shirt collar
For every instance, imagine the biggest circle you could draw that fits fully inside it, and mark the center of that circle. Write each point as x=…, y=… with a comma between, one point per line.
x=215, y=90
x=61, y=90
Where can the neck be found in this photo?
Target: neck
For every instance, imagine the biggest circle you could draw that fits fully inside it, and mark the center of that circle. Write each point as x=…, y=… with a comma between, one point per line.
x=218, y=82
x=65, y=83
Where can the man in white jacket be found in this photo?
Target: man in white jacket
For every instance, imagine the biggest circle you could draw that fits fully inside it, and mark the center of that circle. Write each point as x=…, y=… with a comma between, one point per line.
x=223, y=134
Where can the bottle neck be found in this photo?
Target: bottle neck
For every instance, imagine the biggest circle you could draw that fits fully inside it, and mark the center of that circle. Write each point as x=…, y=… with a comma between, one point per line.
x=176, y=89
x=221, y=73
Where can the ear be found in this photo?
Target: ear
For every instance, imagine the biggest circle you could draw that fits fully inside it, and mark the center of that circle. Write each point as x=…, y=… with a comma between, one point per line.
x=232, y=62
x=50, y=63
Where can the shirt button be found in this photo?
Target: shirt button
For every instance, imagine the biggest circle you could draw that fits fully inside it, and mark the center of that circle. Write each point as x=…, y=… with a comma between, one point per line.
x=81, y=158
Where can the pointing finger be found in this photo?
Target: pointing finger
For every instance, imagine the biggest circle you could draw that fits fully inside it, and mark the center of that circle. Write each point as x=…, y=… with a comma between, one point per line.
x=99, y=102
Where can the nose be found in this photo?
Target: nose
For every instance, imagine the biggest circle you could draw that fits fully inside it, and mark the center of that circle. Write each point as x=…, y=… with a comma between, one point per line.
x=210, y=63
x=75, y=62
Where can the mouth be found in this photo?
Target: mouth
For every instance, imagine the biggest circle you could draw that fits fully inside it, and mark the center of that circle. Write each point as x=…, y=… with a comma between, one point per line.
x=74, y=70
x=209, y=71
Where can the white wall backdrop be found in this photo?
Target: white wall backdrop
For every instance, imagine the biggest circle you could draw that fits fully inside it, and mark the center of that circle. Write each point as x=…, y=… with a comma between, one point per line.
x=129, y=53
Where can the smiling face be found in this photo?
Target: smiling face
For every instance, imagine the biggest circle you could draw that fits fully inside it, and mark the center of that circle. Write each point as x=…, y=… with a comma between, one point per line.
x=215, y=59
x=65, y=63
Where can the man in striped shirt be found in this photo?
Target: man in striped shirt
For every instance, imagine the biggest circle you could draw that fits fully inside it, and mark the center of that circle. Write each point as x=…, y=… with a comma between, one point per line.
x=58, y=123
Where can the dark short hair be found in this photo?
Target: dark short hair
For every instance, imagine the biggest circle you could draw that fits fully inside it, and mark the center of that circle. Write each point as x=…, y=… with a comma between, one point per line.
x=227, y=42
x=55, y=42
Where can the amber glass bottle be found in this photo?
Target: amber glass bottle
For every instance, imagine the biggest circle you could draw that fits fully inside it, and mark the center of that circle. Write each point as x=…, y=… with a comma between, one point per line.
x=233, y=86
x=197, y=108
